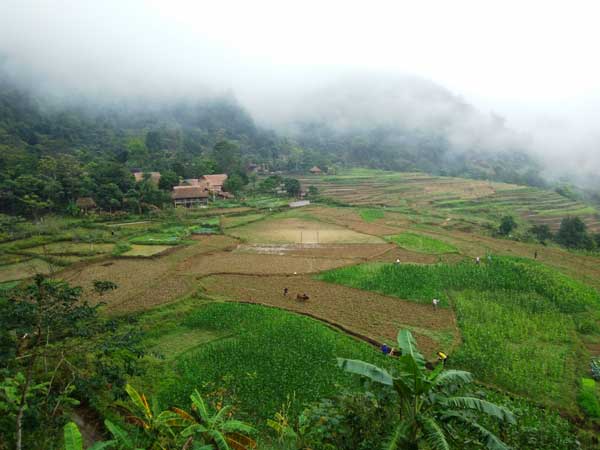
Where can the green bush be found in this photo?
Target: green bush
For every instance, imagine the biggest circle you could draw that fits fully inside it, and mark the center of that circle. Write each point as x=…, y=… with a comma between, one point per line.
x=588, y=398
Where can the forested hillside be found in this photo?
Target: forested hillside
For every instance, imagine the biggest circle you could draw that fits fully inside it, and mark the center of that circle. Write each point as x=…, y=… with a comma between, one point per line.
x=52, y=152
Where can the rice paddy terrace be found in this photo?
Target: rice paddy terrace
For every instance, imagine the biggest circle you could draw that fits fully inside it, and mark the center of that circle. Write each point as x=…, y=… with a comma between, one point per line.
x=472, y=200
x=210, y=283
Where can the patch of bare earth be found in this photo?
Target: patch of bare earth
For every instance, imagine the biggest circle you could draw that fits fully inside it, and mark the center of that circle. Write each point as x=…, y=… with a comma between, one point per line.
x=373, y=315
x=145, y=283
x=258, y=264
x=347, y=251
x=351, y=219
x=300, y=231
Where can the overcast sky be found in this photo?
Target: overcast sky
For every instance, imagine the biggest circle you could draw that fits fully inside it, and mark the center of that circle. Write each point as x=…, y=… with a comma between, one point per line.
x=534, y=62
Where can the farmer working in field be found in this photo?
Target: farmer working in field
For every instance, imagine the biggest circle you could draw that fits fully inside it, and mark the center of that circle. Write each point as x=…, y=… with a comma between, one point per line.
x=285, y=291
x=442, y=357
x=435, y=302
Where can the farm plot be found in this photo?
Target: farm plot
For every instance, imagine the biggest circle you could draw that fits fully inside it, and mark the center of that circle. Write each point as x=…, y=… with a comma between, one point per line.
x=258, y=264
x=479, y=202
x=422, y=244
x=372, y=315
x=144, y=282
x=72, y=248
x=236, y=221
x=514, y=298
x=351, y=218
x=258, y=356
x=333, y=251
x=146, y=250
x=300, y=231
x=25, y=269
x=166, y=236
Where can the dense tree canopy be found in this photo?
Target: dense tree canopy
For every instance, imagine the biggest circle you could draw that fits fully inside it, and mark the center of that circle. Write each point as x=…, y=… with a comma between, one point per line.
x=52, y=154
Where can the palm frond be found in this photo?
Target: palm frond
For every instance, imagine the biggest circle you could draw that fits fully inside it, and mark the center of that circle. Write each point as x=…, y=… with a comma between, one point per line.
x=222, y=414
x=490, y=440
x=408, y=345
x=240, y=442
x=72, y=435
x=450, y=377
x=219, y=440
x=119, y=434
x=366, y=370
x=193, y=429
x=199, y=405
x=483, y=406
x=237, y=426
x=434, y=435
x=183, y=414
x=397, y=437
x=139, y=401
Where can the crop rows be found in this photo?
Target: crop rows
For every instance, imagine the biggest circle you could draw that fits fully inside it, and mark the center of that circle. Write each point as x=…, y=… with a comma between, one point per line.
x=267, y=355
x=518, y=318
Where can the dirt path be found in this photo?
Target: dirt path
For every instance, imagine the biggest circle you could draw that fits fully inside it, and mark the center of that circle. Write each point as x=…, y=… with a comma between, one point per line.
x=373, y=315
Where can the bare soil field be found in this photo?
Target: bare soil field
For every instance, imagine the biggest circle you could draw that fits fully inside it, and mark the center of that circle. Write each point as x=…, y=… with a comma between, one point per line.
x=228, y=262
x=350, y=218
x=144, y=283
x=335, y=251
x=299, y=231
x=370, y=314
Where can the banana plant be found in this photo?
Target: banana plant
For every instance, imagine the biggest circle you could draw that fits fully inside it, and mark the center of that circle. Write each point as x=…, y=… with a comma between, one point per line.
x=158, y=426
x=216, y=431
x=74, y=440
x=433, y=413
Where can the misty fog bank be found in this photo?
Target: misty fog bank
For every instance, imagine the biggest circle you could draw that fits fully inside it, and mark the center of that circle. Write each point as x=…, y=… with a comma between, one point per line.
x=346, y=68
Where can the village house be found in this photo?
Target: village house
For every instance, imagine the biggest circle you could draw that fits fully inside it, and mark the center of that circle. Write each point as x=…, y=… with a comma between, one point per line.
x=197, y=191
x=189, y=196
x=215, y=182
x=85, y=204
x=316, y=171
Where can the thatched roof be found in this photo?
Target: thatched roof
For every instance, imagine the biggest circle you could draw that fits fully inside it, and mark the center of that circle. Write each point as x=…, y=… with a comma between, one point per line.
x=218, y=179
x=85, y=203
x=181, y=192
x=315, y=169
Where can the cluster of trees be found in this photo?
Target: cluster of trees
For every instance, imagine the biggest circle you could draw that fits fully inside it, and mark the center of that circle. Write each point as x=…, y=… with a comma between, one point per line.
x=55, y=350
x=51, y=154
x=573, y=233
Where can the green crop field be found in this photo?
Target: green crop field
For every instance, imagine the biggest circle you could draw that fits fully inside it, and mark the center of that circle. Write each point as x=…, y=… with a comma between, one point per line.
x=371, y=215
x=421, y=243
x=260, y=355
x=519, y=319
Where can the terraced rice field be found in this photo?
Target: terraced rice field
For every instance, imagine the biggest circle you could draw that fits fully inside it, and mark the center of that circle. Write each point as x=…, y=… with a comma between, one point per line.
x=452, y=197
x=146, y=250
x=72, y=248
x=25, y=269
